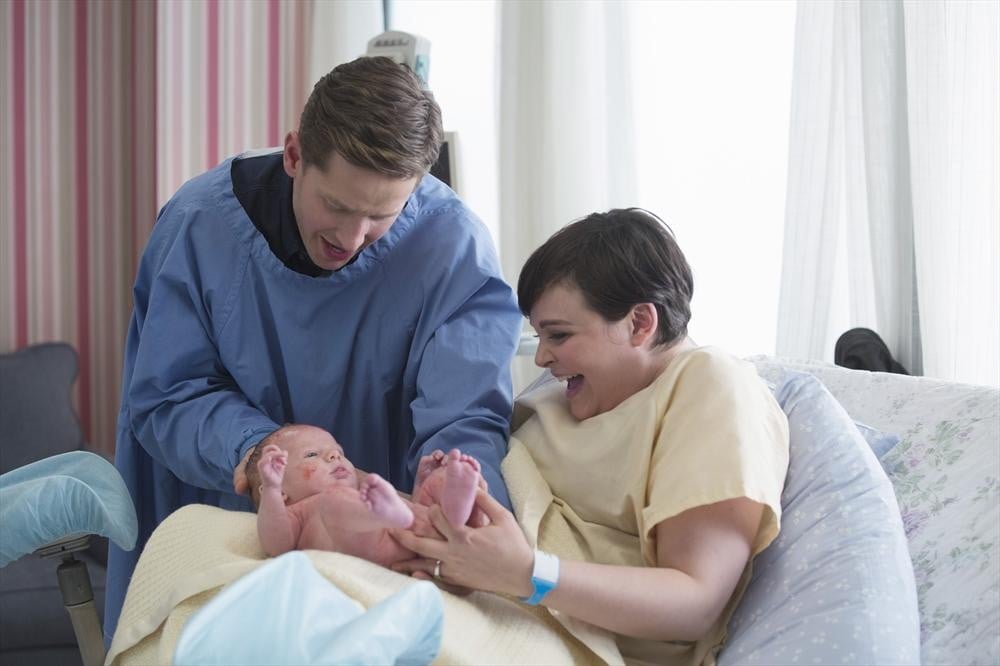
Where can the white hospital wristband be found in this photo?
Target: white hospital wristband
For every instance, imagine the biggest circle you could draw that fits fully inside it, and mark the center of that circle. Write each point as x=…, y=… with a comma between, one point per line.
x=544, y=577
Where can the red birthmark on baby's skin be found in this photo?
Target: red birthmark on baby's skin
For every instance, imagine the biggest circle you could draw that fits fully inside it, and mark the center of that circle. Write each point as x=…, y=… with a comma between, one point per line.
x=307, y=472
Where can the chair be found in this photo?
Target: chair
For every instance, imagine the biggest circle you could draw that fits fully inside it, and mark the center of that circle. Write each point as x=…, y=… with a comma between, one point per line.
x=43, y=469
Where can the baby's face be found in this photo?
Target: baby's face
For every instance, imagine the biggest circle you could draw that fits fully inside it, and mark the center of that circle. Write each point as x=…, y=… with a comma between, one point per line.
x=315, y=462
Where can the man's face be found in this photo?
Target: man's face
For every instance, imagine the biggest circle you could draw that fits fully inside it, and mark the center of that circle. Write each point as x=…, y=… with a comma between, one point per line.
x=344, y=208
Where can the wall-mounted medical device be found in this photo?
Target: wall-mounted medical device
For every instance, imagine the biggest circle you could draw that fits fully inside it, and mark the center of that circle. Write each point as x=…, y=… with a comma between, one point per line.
x=405, y=48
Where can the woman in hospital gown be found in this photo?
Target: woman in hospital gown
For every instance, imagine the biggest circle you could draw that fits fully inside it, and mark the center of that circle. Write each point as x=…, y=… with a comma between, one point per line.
x=659, y=463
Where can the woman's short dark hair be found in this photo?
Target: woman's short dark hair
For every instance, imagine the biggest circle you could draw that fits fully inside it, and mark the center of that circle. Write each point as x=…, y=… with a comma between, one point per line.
x=373, y=112
x=617, y=259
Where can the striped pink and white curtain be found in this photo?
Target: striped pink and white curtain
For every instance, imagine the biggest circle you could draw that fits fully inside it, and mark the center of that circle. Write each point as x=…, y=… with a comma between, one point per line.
x=231, y=75
x=107, y=107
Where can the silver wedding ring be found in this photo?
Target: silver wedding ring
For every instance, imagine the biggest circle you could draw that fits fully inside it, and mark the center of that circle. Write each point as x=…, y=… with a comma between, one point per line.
x=437, y=569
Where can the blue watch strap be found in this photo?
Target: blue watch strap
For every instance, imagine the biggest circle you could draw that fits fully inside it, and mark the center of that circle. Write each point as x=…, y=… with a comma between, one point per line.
x=544, y=577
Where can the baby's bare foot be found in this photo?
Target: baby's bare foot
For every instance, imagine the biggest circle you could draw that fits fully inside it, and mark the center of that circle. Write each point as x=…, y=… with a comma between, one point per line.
x=460, y=484
x=427, y=465
x=386, y=505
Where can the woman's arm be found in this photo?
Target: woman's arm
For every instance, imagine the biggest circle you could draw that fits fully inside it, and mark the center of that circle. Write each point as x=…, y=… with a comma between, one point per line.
x=700, y=555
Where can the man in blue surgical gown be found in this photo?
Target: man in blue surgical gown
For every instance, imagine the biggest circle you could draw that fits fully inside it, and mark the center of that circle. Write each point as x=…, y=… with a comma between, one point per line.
x=333, y=283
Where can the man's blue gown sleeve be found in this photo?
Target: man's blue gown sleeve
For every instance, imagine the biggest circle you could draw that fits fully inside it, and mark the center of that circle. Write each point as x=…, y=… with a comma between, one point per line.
x=182, y=405
x=464, y=385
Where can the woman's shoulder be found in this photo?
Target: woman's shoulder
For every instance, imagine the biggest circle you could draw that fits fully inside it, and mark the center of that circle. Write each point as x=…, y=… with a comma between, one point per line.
x=714, y=382
x=709, y=364
x=544, y=394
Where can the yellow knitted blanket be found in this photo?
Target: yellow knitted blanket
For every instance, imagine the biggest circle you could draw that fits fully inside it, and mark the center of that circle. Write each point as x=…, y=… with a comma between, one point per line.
x=199, y=549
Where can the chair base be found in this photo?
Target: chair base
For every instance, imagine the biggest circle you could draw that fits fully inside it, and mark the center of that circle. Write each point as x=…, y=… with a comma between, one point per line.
x=78, y=597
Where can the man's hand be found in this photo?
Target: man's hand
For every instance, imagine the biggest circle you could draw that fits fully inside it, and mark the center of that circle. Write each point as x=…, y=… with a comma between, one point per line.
x=240, y=483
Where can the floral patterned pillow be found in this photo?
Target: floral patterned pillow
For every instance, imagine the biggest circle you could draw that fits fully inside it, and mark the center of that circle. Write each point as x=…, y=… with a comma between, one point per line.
x=946, y=475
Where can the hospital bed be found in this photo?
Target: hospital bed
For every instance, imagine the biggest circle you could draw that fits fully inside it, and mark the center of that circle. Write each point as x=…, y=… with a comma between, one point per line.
x=944, y=473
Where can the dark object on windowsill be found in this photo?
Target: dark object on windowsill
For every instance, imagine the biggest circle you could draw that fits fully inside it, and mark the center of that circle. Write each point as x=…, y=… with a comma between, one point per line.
x=863, y=349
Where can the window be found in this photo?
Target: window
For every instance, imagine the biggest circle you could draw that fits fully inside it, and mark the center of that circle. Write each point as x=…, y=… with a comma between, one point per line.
x=712, y=86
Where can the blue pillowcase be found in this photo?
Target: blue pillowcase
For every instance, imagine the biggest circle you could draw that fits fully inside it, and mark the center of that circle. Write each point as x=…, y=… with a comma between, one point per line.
x=880, y=442
x=836, y=586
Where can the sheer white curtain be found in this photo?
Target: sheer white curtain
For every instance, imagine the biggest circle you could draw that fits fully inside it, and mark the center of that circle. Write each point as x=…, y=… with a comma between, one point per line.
x=565, y=125
x=229, y=76
x=565, y=129
x=953, y=90
x=463, y=78
x=712, y=87
x=891, y=215
x=339, y=33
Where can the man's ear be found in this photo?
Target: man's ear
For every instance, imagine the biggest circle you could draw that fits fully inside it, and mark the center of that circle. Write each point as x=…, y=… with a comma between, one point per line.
x=292, y=158
x=644, y=323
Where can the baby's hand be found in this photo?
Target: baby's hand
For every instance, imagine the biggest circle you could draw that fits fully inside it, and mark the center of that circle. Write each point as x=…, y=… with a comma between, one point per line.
x=272, y=466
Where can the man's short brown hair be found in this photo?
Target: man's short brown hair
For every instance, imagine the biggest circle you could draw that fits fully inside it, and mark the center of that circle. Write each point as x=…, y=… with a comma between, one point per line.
x=374, y=113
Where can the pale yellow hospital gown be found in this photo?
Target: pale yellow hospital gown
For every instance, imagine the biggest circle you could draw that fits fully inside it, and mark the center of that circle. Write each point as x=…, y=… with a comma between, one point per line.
x=705, y=431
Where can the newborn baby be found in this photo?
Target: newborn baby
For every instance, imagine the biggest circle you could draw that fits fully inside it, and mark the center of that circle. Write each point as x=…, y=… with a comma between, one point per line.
x=309, y=496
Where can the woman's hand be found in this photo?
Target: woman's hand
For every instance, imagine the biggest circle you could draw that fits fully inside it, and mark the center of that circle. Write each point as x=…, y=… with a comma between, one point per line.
x=495, y=558
x=420, y=567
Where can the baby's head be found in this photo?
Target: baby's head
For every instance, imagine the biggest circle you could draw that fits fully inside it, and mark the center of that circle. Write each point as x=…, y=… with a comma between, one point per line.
x=315, y=462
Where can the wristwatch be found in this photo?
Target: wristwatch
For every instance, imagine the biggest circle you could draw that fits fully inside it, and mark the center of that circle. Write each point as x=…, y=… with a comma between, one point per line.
x=544, y=577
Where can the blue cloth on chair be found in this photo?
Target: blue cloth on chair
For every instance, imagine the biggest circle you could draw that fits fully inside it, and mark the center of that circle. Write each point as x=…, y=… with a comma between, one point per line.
x=285, y=612
x=72, y=493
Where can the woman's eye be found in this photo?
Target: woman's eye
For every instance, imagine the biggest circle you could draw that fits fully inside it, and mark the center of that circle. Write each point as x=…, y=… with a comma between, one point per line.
x=554, y=337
